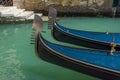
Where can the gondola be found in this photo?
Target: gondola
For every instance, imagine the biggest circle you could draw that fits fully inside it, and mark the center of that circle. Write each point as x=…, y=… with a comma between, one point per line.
x=97, y=63
x=97, y=40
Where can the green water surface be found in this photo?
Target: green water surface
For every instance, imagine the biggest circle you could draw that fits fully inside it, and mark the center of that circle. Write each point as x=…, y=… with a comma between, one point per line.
x=17, y=56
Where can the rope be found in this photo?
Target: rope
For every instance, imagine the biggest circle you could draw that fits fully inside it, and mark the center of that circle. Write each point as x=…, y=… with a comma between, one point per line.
x=112, y=47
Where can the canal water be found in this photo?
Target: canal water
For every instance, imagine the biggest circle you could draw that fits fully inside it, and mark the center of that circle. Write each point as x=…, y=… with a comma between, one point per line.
x=18, y=60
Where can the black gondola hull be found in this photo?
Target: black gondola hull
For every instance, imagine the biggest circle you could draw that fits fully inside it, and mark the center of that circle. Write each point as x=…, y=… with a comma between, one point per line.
x=68, y=38
x=52, y=57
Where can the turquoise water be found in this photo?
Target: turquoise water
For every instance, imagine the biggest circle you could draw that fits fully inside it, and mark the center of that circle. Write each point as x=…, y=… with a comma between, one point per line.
x=17, y=56
x=92, y=24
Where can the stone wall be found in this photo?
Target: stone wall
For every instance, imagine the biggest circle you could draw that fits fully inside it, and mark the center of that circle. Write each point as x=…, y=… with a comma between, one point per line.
x=67, y=5
x=34, y=5
x=18, y=3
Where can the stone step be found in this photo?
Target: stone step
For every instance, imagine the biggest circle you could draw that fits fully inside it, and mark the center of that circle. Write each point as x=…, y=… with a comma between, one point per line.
x=15, y=14
x=12, y=13
x=6, y=9
x=32, y=16
x=25, y=14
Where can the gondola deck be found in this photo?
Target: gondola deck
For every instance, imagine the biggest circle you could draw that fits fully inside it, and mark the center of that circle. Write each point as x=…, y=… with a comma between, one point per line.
x=96, y=40
x=96, y=36
x=95, y=62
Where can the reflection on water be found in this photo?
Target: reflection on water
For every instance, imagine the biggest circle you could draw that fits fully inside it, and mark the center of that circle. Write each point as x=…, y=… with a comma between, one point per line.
x=5, y=33
x=16, y=30
x=10, y=63
x=10, y=66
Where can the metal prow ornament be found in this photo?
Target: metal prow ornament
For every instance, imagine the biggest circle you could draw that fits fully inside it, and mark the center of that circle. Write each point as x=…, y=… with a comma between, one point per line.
x=52, y=17
x=37, y=28
x=37, y=23
x=52, y=13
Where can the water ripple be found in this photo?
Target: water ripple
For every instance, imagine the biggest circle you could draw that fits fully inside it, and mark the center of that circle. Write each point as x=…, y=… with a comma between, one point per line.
x=10, y=68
